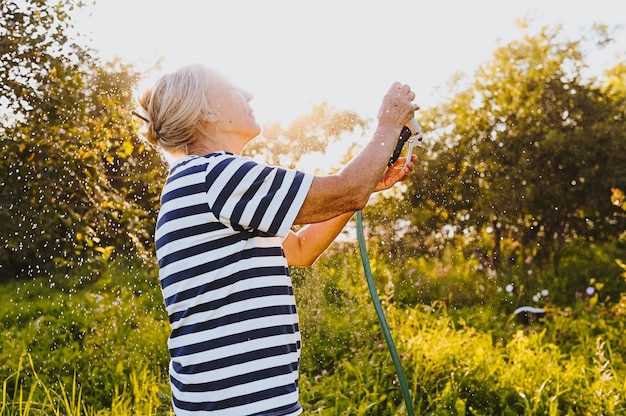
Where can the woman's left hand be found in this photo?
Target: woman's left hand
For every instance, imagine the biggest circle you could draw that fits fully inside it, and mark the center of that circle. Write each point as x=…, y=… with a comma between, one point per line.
x=395, y=173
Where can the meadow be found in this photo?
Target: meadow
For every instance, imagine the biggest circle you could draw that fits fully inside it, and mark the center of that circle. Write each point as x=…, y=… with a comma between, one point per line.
x=97, y=345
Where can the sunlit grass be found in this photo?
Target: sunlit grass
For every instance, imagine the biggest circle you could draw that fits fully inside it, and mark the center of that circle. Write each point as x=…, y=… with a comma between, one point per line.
x=100, y=349
x=141, y=396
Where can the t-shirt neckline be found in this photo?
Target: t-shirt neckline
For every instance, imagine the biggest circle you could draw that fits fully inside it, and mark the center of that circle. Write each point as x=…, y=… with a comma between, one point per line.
x=187, y=158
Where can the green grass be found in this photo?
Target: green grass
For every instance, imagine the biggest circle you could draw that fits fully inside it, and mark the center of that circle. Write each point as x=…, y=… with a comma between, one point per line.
x=143, y=394
x=97, y=345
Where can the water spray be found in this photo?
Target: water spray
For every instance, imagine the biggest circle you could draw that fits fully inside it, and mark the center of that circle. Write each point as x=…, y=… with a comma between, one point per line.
x=411, y=134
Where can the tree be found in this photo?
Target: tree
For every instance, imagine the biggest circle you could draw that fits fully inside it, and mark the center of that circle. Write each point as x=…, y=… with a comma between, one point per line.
x=77, y=184
x=528, y=151
x=311, y=132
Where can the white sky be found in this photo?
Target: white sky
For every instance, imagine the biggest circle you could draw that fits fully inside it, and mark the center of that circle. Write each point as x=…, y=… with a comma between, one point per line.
x=293, y=54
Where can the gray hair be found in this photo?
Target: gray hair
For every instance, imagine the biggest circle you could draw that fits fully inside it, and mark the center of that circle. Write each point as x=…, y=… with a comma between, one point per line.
x=174, y=106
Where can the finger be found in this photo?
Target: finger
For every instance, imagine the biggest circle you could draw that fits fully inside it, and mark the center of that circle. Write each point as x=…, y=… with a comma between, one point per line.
x=399, y=161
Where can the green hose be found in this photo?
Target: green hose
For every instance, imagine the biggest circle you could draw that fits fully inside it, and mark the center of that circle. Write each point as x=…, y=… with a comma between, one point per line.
x=381, y=315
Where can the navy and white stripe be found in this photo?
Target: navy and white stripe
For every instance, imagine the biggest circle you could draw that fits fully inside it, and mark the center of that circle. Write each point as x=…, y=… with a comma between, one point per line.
x=235, y=340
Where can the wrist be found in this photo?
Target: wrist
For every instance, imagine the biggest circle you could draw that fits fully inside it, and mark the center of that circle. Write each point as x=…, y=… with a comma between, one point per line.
x=387, y=129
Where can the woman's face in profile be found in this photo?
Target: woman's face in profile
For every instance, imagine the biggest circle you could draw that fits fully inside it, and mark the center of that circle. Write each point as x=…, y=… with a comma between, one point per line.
x=233, y=108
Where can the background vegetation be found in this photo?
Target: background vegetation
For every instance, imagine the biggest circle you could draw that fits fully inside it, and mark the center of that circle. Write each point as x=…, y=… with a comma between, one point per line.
x=518, y=200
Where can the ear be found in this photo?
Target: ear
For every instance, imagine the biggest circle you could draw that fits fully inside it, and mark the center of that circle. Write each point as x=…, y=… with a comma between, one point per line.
x=211, y=117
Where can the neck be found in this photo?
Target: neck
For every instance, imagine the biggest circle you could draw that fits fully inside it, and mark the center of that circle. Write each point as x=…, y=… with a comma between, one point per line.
x=227, y=142
x=224, y=141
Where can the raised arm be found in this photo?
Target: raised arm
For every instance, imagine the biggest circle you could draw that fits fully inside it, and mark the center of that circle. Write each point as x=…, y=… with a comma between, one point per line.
x=303, y=247
x=349, y=190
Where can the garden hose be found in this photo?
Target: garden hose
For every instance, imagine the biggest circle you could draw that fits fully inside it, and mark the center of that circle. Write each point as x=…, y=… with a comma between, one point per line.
x=406, y=394
x=409, y=134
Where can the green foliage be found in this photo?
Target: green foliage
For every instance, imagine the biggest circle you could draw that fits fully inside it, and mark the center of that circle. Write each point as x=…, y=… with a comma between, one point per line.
x=143, y=395
x=33, y=32
x=529, y=150
x=77, y=183
x=95, y=330
x=464, y=361
x=105, y=337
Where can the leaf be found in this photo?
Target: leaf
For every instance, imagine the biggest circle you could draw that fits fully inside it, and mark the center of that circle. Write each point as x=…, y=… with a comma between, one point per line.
x=105, y=251
x=125, y=150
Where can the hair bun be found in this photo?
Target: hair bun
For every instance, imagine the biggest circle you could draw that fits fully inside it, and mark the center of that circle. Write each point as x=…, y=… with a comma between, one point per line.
x=153, y=133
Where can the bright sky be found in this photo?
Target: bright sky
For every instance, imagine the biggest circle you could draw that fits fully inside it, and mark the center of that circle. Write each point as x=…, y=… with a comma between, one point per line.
x=293, y=54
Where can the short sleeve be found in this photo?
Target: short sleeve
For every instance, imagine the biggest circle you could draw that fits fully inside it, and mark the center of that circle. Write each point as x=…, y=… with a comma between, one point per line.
x=247, y=195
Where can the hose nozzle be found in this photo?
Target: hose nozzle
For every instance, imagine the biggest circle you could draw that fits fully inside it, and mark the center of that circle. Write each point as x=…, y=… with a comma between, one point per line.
x=412, y=133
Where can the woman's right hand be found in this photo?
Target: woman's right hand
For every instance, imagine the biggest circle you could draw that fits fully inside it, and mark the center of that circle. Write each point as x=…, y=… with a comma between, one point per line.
x=397, y=108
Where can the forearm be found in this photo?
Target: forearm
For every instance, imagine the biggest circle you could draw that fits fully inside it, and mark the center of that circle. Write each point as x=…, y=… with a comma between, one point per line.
x=315, y=238
x=349, y=190
x=365, y=170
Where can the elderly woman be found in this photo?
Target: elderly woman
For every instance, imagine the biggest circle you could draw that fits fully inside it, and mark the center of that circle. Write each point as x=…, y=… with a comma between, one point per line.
x=224, y=243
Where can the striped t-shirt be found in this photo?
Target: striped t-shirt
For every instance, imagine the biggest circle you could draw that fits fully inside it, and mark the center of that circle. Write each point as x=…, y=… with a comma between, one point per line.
x=235, y=341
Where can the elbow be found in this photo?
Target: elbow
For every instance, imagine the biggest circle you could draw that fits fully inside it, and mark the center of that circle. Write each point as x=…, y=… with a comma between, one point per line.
x=303, y=260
